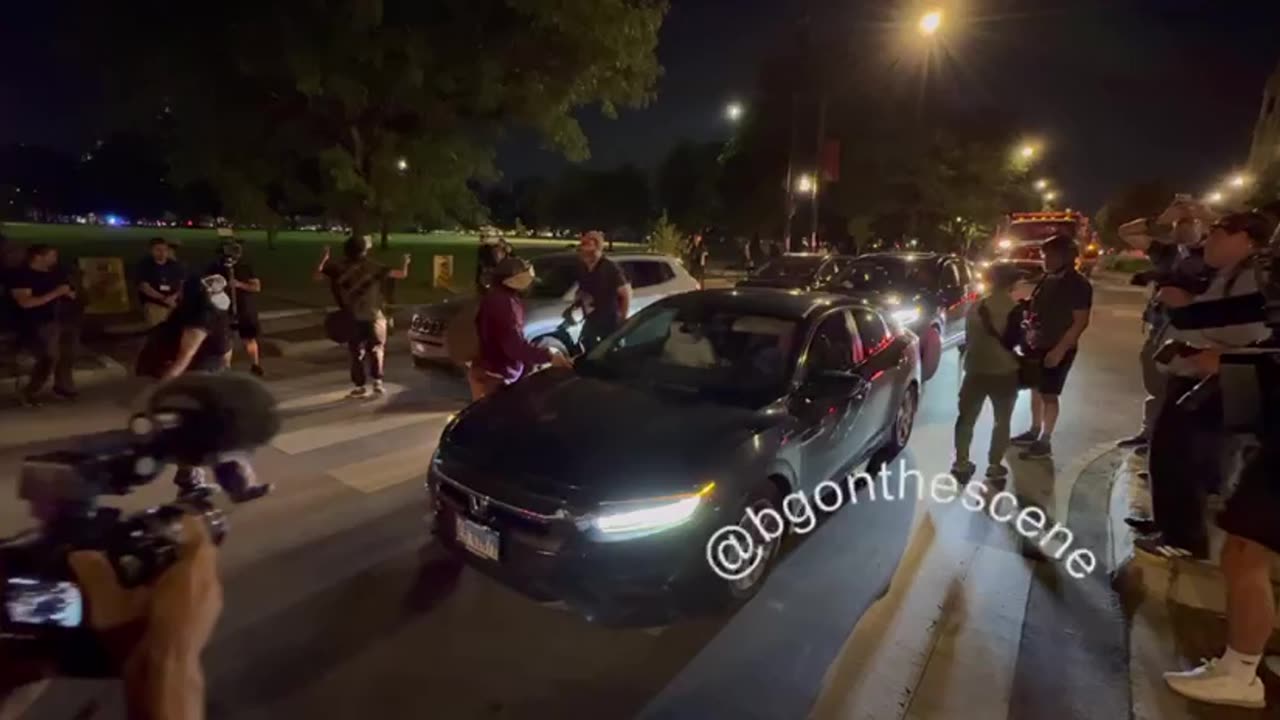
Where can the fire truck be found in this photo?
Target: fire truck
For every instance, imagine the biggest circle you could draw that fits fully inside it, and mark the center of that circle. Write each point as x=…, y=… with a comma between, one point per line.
x=1020, y=235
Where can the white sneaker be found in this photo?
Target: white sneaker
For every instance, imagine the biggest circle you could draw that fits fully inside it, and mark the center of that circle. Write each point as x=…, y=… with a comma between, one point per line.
x=358, y=392
x=1212, y=684
x=378, y=389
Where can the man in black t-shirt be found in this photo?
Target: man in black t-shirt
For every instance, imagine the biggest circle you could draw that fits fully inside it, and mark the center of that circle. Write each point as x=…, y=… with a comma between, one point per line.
x=46, y=322
x=160, y=279
x=243, y=285
x=1060, y=310
x=603, y=292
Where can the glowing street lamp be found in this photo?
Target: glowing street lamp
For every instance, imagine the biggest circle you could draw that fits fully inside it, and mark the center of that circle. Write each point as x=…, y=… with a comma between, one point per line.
x=1027, y=152
x=734, y=111
x=1239, y=181
x=930, y=23
x=1042, y=185
x=806, y=185
x=402, y=164
x=1050, y=196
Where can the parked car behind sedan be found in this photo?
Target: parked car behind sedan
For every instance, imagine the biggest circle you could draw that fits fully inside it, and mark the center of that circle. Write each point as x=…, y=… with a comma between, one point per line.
x=798, y=271
x=652, y=278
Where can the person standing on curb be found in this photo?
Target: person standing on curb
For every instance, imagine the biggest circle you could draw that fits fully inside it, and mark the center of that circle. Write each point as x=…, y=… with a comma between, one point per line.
x=357, y=282
x=47, y=324
x=160, y=279
x=990, y=373
x=505, y=355
x=1060, y=308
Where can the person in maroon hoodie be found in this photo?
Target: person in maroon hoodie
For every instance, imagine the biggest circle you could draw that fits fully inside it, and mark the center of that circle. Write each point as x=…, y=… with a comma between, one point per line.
x=505, y=355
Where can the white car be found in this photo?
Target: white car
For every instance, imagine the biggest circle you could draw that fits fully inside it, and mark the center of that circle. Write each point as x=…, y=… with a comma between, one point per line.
x=652, y=278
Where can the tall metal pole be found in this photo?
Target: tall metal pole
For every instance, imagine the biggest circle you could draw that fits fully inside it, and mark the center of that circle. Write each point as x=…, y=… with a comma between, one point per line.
x=789, y=205
x=819, y=179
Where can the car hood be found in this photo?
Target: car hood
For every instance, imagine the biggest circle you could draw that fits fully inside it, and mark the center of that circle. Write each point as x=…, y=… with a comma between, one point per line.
x=534, y=308
x=586, y=440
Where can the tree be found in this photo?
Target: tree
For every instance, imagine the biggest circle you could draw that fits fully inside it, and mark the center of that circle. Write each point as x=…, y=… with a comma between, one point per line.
x=1142, y=199
x=380, y=110
x=666, y=238
x=688, y=185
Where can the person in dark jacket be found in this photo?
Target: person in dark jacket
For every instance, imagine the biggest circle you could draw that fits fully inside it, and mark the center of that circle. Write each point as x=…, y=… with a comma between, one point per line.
x=505, y=355
x=493, y=250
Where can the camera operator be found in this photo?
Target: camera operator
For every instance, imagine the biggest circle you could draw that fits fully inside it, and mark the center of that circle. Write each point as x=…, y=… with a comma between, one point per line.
x=1249, y=517
x=154, y=634
x=1188, y=441
x=1178, y=260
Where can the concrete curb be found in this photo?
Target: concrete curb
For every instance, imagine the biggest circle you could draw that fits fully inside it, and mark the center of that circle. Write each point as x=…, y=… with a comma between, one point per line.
x=1189, y=583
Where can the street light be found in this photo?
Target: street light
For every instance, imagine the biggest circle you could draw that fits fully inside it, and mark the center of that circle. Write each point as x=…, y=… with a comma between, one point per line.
x=1042, y=185
x=402, y=164
x=1239, y=181
x=1027, y=151
x=806, y=185
x=1050, y=196
x=734, y=111
x=930, y=22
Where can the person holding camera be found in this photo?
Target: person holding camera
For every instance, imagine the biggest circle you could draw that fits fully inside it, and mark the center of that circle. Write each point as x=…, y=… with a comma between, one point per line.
x=1249, y=516
x=155, y=634
x=47, y=323
x=1060, y=308
x=245, y=286
x=1188, y=440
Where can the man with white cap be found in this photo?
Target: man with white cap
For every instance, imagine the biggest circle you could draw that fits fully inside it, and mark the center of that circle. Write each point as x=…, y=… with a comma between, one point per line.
x=505, y=355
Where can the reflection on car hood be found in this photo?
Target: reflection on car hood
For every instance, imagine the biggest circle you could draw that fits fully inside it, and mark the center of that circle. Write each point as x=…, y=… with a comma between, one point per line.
x=588, y=440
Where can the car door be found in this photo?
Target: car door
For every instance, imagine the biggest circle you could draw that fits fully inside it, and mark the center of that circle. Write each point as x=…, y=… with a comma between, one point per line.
x=878, y=368
x=952, y=293
x=647, y=278
x=831, y=398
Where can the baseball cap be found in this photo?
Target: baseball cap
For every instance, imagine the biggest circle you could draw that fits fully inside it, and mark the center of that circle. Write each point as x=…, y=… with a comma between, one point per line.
x=1254, y=224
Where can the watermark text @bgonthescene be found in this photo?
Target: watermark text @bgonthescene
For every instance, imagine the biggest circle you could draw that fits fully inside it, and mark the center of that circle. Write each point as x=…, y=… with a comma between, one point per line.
x=734, y=551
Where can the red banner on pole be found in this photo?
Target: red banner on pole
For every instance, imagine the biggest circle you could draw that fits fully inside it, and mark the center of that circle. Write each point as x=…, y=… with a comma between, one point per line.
x=831, y=160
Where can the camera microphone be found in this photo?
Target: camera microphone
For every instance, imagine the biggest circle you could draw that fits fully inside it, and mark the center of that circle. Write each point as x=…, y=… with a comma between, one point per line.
x=197, y=417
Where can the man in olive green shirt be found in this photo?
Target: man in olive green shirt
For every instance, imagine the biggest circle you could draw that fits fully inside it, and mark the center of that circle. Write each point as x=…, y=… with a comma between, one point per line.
x=990, y=372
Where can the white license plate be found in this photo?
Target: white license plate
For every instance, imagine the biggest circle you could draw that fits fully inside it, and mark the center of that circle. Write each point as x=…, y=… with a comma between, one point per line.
x=478, y=539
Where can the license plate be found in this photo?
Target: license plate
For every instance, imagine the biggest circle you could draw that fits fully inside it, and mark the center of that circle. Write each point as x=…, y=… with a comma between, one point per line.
x=479, y=539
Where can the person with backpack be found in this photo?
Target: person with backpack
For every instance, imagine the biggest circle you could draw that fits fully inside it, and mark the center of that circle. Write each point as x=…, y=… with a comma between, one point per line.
x=993, y=330
x=358, y=283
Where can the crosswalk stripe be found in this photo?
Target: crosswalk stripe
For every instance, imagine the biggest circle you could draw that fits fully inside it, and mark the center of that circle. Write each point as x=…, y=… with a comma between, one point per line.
x=307, y=439
x=372, y=475
x=329, y=397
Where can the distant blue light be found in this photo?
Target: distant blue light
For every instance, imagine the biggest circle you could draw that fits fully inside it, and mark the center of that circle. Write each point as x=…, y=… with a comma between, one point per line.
x=113, y=219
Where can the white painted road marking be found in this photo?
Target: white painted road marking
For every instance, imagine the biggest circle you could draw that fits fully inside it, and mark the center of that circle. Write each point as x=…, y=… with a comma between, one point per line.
x=330, y=398
x=307, y=439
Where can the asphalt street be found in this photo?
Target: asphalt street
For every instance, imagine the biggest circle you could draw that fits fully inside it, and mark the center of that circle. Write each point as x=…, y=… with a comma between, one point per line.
x=338, y=605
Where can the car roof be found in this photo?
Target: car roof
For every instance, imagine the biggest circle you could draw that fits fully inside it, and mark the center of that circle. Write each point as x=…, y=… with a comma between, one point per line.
x=909, y=255
x=790, y=304
x=815, y=256
x=616, y=257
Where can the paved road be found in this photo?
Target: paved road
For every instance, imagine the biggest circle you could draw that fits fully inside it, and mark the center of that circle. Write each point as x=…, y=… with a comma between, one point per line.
x=338, y=606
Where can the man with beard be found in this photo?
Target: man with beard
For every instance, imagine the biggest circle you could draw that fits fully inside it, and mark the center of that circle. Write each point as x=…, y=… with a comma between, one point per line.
x=604, y=294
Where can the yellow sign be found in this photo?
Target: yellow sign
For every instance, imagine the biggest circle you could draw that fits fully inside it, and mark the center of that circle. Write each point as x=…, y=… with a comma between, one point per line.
x=104, y=285
x=442, y=271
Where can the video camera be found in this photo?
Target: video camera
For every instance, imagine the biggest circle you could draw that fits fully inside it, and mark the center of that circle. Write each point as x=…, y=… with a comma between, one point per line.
x=193, y=420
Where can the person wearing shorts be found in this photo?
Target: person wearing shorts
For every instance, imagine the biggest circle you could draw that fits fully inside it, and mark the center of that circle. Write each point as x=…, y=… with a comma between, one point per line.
x=1060, y=309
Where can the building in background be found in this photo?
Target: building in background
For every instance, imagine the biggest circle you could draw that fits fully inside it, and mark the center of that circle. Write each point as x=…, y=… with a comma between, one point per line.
x=1266, y=134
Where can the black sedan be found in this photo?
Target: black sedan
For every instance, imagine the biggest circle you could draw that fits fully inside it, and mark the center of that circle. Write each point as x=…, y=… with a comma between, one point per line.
x=798, y=271
x=929, y=293
x=600, y=487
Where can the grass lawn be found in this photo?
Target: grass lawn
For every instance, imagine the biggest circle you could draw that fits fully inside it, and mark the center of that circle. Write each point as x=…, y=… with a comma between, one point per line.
x=286, y=269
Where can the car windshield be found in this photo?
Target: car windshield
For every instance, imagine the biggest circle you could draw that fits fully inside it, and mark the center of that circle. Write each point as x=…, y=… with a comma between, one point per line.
x=883, y=273
x=795, y=267
x=727, y=354
x=554, y=276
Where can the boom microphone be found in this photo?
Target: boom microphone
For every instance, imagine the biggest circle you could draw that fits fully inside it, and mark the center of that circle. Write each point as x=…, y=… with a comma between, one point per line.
x=197, y=417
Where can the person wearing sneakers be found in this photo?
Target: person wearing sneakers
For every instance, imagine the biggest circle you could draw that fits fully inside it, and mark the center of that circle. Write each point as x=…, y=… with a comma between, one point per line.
x=505, y=355
x=1060, y=309
x=358, y=283
x=1249, y=517
x=990, y=373
x=196, y=337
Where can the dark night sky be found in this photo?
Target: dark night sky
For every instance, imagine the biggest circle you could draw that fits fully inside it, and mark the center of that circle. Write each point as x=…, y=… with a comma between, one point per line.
x=1122, y=90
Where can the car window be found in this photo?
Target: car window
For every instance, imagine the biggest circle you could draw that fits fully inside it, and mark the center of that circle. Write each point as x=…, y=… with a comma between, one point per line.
x=950, y=276
x=871, y=329
x=646, y=273
x=834, y=346
x=830, y=271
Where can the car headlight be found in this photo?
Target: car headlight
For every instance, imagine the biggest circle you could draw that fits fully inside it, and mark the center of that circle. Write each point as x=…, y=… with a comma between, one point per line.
x=1006, y=244
x=892, y=300
x=906, y=316
x=649, y=516
x=980, y=287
